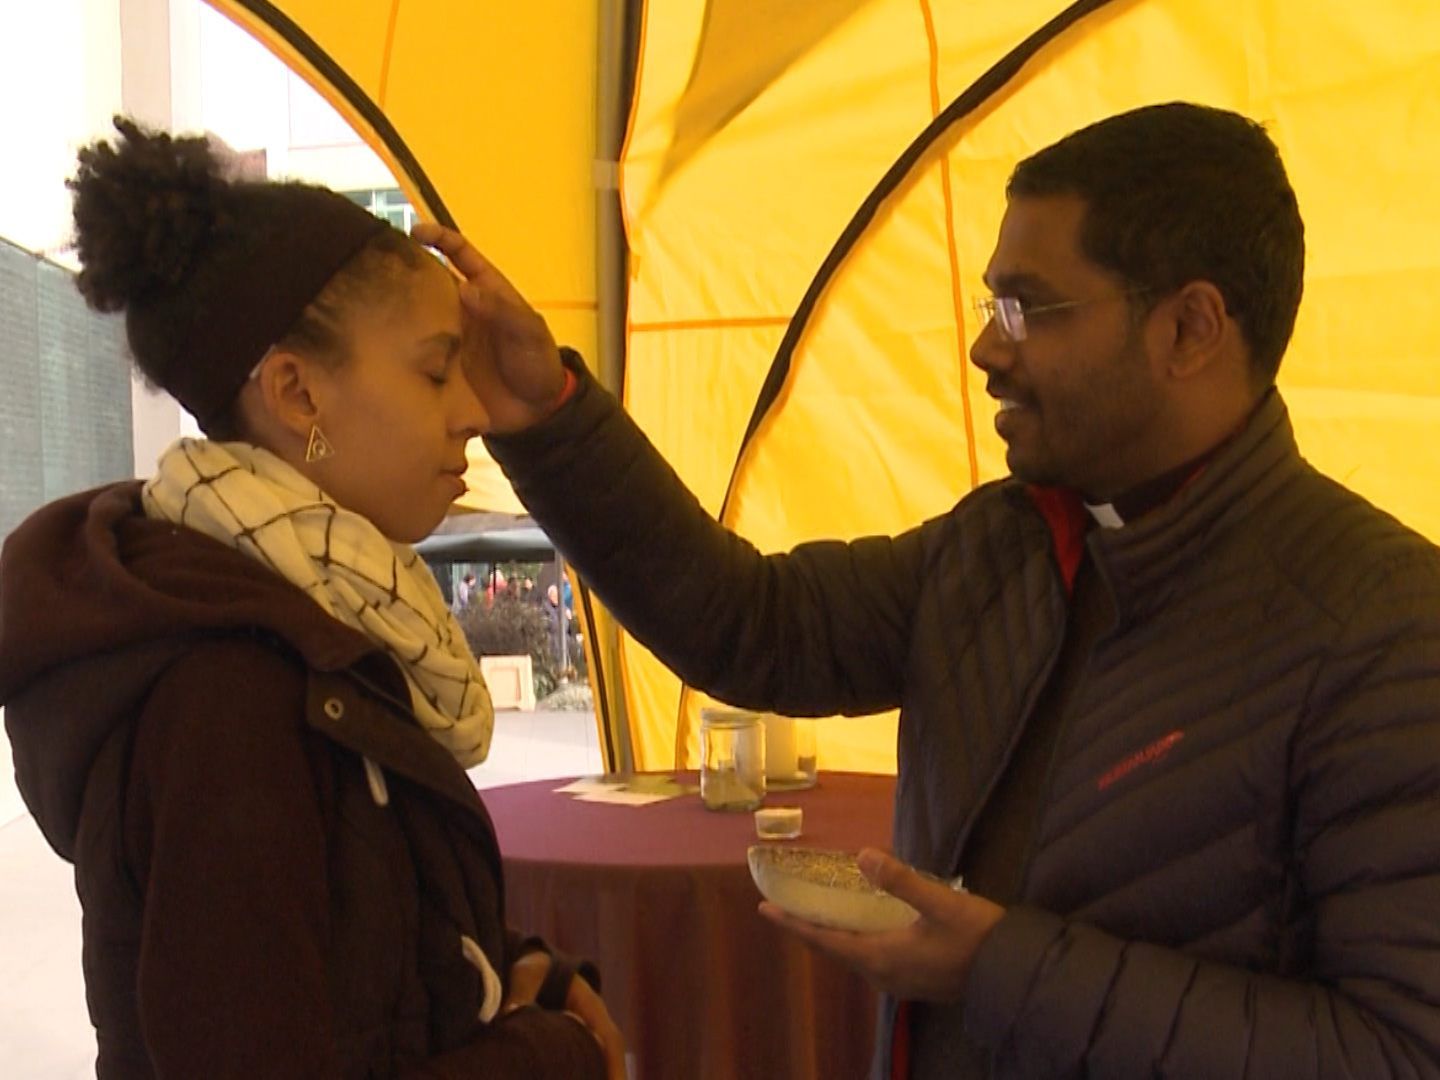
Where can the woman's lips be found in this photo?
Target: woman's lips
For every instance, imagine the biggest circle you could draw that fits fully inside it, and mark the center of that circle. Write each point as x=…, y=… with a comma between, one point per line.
x=457, y=478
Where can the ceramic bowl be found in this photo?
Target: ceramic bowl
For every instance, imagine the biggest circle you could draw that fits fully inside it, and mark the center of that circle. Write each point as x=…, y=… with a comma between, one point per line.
x=826, y=887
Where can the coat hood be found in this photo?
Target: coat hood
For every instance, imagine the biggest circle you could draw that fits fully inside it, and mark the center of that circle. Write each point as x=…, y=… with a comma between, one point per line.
x=96, y=600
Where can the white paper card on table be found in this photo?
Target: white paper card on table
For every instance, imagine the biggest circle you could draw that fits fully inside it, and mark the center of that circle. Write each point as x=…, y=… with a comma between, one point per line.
x=622, y=798
x=587, y=784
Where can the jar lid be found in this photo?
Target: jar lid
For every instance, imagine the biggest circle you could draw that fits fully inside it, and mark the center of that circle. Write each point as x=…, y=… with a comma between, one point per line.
x=729, y=718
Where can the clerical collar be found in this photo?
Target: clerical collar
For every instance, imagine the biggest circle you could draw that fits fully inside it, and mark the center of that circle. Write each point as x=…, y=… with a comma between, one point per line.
x=1141, y=499
x=1105, y=515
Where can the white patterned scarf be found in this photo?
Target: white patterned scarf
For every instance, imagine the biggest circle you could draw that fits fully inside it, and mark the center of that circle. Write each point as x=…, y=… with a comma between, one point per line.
x=250, y=499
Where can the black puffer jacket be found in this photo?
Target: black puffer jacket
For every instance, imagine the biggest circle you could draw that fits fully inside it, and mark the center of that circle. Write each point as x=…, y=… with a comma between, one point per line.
x=1237, y=865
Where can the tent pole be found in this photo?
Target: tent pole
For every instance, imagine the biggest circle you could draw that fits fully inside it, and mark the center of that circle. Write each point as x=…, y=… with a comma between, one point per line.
x=614, y=82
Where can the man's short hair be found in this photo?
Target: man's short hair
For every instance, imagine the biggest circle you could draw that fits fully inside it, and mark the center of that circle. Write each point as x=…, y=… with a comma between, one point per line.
x=1179, y=193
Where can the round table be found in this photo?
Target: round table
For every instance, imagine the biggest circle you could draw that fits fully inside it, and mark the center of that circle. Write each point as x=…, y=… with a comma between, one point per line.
x=660, y=897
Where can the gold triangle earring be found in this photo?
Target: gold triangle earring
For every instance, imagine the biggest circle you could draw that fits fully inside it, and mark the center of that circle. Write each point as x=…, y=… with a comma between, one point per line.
x=318, y=448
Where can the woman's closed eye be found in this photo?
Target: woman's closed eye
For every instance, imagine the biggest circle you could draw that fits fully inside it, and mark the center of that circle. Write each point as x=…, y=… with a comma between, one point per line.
x=440, y=357
x=441, y=369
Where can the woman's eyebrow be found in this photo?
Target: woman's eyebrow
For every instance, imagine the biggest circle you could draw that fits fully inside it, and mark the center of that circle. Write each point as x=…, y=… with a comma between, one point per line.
x=445, y=341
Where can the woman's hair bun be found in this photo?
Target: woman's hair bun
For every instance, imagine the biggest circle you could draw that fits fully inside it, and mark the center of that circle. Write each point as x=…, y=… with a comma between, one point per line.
x=145, y=207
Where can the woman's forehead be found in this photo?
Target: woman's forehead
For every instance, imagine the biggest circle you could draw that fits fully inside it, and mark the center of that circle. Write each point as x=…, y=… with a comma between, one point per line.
x=419, y=304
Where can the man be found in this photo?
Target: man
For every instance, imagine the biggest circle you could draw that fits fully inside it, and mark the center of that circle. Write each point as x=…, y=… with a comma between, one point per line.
x=464, y=592
x=1170, y=698
x=557, y=623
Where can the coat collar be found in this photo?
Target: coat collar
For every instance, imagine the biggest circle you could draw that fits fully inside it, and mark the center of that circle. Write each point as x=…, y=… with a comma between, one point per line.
x=366, y=709
x=1137, y=558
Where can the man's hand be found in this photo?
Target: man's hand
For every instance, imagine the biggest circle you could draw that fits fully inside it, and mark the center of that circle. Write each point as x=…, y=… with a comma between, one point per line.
x=929, y=960
x=509, y=354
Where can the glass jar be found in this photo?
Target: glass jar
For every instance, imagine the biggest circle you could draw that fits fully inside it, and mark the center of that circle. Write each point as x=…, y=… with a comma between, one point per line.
x=732, y=759
x=789, y=752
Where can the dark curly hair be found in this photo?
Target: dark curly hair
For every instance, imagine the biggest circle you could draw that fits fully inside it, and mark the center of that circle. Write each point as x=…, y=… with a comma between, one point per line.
x=1177, y=193
x=144, y=211
x=211, y=271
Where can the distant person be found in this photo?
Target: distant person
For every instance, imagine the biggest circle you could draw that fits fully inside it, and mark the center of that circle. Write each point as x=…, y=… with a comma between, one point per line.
x=496, y=586
x=557, y=622
x=465, y=592
x=237, y=699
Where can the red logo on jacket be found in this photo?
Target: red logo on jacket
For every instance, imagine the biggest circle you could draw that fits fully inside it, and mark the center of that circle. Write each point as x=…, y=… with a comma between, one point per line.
x=1152, y=753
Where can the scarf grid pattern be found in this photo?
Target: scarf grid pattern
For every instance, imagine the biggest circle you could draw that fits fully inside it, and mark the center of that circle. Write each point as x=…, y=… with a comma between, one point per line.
x=250, y=499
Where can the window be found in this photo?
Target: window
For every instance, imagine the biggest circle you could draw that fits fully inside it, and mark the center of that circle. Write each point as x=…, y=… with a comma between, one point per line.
x=389, y=204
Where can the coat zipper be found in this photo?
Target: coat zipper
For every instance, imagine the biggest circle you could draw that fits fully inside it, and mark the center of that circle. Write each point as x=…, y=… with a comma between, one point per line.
x=1037, y=687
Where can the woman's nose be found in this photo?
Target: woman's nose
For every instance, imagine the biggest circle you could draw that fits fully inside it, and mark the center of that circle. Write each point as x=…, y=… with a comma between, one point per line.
x=469, y=417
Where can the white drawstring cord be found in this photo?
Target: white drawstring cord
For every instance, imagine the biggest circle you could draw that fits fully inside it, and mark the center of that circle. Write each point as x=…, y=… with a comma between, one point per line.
x=472, y=952
x=376, y=779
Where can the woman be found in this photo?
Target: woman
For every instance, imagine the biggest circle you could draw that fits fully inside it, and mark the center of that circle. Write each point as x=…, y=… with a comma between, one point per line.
x=237, y=699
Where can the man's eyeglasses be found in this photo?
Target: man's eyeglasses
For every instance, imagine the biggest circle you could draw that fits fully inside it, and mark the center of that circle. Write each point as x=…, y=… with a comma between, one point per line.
x=1009, y=313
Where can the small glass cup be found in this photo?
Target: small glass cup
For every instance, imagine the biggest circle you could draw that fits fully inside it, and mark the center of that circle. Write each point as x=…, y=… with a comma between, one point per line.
x=779, y=822
x=732, y=759
x=789, y=753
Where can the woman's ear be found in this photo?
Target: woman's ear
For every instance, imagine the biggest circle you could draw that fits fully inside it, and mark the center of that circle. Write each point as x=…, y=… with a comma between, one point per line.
x=1203, y=329
x=289, y=390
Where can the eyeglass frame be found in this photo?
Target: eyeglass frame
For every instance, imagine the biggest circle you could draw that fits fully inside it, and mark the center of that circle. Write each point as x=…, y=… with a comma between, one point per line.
x=1008, y=313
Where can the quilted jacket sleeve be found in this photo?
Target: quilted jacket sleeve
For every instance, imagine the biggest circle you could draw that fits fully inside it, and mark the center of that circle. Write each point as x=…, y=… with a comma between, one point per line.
x=822, y=629
x=1362, y=996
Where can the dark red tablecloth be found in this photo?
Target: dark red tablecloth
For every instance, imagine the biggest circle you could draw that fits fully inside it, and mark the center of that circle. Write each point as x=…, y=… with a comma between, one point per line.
x=661, y=898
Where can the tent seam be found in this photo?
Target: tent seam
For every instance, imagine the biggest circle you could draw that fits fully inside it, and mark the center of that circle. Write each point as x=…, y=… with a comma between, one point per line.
x=957, y=301
x=383, y=90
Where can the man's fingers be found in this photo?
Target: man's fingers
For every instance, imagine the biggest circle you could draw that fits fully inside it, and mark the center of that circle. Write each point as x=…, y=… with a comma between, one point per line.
x=840, y=943
x=463, y=255
x=447, y=241
x=483, y=275
x=480, y=302
x=926, y=895
x=431, y=234
x=485, y=291
x=870, y=955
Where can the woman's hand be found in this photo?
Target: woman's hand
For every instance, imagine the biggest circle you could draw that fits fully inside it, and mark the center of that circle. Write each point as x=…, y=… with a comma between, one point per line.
x=509, y=354
x=930, y=959
x=582, y=1003
x=527, y=975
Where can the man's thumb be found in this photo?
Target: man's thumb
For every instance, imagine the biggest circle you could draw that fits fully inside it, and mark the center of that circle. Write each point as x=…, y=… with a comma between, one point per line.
x=900, y=880
x=880, y=868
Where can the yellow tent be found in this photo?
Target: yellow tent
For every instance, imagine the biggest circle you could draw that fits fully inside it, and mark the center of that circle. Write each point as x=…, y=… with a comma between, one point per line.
x=809, y=193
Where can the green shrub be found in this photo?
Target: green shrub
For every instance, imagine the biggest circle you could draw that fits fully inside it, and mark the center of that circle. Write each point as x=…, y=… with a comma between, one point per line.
x=511, y=627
